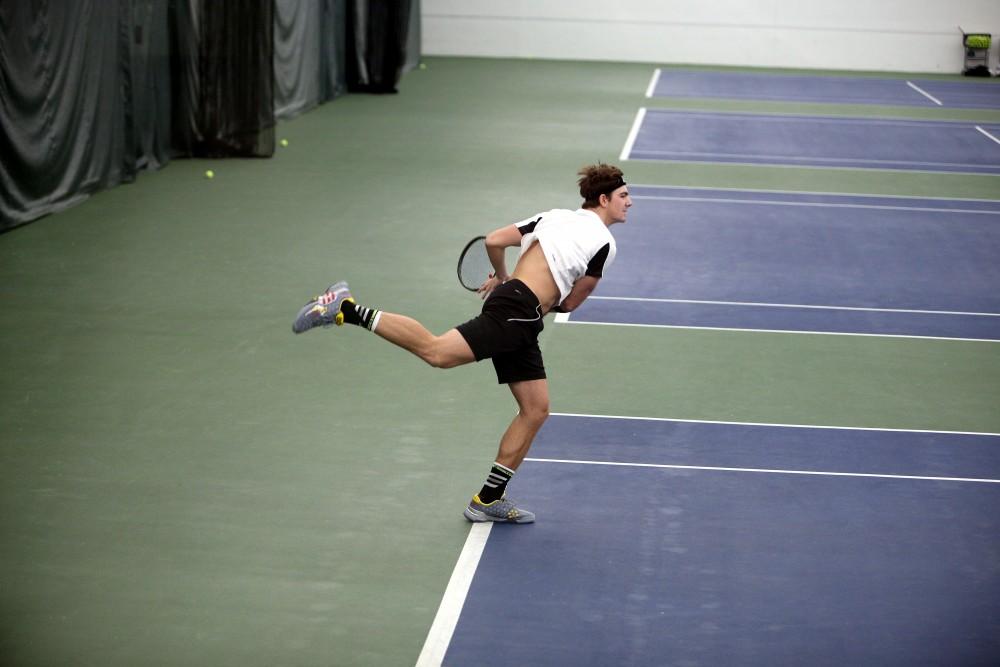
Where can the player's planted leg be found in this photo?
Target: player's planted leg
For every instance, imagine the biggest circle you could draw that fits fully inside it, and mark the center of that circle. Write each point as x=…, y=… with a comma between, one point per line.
x=490, y=504
x=532, y=398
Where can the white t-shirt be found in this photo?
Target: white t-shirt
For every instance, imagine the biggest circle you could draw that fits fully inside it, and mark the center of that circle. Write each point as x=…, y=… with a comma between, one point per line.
x=575, y=244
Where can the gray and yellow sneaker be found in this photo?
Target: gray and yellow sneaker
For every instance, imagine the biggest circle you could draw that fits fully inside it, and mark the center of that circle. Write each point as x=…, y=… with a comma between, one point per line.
x=502, y=510
x=324, y=310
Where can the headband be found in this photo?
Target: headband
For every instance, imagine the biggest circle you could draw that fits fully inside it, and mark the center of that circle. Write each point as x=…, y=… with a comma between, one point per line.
x=614, y=186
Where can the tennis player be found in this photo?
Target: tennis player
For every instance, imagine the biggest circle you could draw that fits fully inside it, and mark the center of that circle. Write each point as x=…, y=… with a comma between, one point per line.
x=563, y=255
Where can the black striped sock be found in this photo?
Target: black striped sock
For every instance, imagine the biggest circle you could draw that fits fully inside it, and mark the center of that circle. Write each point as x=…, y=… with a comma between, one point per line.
x=363, y=317
x=496, y=483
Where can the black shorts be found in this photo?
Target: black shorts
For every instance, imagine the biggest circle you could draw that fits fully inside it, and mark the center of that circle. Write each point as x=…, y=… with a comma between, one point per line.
x=507, y=331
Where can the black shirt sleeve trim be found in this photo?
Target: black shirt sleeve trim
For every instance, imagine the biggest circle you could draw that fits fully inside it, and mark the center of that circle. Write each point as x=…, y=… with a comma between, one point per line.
x=529, y=227
x=595, y=267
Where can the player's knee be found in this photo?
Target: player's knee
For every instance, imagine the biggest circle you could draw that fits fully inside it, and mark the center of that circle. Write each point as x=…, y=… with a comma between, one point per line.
x=440, y=361
x=433, y=359
x=536, y=412
x=438, y=357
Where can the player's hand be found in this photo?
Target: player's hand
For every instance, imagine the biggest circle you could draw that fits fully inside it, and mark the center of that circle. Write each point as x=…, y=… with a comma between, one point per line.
x=491, y=284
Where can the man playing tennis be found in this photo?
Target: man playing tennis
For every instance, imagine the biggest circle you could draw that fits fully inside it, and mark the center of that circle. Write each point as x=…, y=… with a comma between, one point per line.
x=563, y=256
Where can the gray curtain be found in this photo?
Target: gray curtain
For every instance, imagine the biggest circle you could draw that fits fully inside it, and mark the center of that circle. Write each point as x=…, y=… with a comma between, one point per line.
x=92, y=91
x=309, y=45
x=68, y=125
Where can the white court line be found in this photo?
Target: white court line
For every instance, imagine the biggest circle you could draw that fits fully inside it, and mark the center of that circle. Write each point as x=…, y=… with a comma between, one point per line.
x=988, y=134
x=777, y=117
x=839, y=195
x=440, y=634
x=924, y=93
x=633, y=133
x=781, y=165
x=769, y=425
x=810, y=159
x=777, y=202
x=709, y=188
x=822, y=473
x=778, y=331
x=790, y=305
x=652, y=82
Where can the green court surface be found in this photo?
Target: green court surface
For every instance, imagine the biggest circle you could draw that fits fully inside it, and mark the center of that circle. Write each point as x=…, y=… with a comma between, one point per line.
x=184, y=482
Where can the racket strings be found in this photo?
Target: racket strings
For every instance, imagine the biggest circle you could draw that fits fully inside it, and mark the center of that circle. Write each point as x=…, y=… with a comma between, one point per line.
x=474, y=266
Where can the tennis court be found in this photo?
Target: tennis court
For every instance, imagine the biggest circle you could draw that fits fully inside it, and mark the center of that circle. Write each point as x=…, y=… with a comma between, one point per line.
x=705, y=542
x=845, y=264
x=815, y=141
x=185, y=482
x=824, y=89
x=702, y=539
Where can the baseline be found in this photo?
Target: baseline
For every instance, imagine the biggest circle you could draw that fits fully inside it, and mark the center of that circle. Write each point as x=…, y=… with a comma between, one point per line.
x=814, y=141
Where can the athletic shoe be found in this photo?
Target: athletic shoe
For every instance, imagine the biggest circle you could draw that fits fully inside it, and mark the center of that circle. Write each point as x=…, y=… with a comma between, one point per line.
x=501, y=510
x=324, y=310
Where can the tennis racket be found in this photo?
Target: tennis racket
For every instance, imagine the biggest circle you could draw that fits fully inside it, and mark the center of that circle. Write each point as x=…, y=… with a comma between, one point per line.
x=474, y=264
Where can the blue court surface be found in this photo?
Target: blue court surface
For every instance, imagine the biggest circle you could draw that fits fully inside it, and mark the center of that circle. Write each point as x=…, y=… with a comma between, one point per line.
x=663, y=542
x=804, y=262
x=815, y=141
x=825, y=89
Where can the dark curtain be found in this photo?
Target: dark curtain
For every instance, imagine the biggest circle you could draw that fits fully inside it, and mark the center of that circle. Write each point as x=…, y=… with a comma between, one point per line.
x=224, y=80
x=64, y=104
x=376, y=44
x=148, y=74
x=92, y=91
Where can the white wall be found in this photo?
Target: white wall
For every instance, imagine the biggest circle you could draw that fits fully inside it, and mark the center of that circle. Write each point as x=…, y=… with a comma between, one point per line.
x=890, y=35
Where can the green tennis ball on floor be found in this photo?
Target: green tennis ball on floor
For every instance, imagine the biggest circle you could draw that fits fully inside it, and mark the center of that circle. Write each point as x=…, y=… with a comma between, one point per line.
x=209, y=173
x=284, y=142
x=423, y=66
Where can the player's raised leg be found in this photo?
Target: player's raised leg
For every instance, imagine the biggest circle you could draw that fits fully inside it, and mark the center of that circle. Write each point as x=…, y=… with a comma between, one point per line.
x=337, y=306
x=448, y=350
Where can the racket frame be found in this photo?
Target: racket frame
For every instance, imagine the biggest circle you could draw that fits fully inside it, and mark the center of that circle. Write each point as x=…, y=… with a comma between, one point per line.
x=461, y=261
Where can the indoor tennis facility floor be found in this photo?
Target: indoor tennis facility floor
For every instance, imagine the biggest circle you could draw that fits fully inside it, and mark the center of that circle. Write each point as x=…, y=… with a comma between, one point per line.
x=775, y=434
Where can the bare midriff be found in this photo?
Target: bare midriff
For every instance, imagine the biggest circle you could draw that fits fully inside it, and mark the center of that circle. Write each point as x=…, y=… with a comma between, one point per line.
x=533, y=270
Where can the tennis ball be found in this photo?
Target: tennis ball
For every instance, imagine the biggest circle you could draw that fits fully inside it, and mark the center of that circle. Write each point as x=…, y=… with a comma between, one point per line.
x=977, y=41
x=284, y=142
x=423, y=66
x=209, y=174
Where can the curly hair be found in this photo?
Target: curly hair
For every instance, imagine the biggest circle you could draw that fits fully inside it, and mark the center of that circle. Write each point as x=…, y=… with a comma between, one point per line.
x=596, y=180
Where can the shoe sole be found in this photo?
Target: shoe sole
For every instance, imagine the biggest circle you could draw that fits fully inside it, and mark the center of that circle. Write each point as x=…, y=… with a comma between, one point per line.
x=476, y=516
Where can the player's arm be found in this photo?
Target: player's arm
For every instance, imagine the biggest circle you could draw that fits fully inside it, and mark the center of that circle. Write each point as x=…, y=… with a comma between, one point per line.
x=581, y=290
x=586, y=283
x=496, y=242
